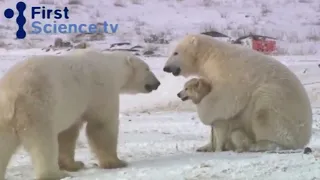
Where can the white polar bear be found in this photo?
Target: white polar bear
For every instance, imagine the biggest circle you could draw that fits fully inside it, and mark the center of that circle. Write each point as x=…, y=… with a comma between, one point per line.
x=47, y=95
x=250, y=86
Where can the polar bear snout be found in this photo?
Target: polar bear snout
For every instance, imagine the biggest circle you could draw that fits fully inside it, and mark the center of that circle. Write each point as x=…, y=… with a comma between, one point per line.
x=172, y=69
x=167, y=69
x=153, y=86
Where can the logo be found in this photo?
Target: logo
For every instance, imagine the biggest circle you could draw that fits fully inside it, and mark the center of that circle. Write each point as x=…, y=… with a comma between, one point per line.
x=38, y=13
x=21, y=20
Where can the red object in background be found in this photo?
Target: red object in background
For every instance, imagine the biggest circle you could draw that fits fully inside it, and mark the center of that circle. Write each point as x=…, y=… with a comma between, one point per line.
x=264, y=46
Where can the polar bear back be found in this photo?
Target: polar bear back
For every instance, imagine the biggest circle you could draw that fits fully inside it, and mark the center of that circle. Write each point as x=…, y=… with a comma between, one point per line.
x=62, y=87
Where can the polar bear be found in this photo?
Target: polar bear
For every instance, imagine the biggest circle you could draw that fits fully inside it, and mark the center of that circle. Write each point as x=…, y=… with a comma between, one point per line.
x=249, y=86
x=226, y=134
x=46, y=96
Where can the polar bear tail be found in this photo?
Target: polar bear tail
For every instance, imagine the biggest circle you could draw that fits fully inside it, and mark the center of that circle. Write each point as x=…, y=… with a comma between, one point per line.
x=7, y=108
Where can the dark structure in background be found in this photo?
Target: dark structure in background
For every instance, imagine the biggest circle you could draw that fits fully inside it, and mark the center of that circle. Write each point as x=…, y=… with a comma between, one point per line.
x=264, y=44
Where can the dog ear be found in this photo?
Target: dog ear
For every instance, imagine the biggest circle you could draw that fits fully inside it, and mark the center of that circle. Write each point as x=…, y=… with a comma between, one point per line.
x=204, y=83
x=198, y=84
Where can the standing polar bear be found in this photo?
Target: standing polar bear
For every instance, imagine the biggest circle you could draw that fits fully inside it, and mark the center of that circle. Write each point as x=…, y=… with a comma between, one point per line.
x=249, y=86
x=47, y=96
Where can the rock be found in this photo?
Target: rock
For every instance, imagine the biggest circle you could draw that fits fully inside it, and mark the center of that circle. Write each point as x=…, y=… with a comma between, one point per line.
x=307, y=150
x=148, y=52
x=119, y=44
x=82, y=45
x=58, y=42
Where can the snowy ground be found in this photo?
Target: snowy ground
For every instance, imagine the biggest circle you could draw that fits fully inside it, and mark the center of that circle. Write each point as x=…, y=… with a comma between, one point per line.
x=159, y=135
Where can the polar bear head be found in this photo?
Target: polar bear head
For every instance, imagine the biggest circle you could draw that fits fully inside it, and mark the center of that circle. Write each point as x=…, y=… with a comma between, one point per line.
x=140, y=79
x=186, y=59
x=195, y=89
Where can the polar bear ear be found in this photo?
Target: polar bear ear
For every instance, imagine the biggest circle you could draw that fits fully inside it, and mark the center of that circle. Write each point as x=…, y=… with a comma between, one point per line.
x=129, y=61
x=194, y=40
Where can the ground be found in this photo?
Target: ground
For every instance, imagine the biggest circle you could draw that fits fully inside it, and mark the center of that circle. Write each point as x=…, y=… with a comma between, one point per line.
x=159, y=139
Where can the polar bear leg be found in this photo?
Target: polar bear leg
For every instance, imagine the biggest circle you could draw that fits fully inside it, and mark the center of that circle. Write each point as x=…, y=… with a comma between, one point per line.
x=266, y=145
x=103, y=142
x=9, y=142
x=272, y=129
x=42, y=144
x=229, y=145
x=67, y=144
x=102, y=133
x=240, y=141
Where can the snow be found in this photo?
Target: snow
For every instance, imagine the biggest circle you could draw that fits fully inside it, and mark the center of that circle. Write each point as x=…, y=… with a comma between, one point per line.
x=159, y=134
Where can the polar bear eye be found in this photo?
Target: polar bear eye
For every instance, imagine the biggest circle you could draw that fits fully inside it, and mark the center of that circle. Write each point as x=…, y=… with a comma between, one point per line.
x=175, y=53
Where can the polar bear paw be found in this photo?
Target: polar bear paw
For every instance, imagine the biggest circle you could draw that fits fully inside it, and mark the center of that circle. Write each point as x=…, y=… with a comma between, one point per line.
x=113, y=164
x=72, y=166
x=54, y=176
x=206, y=148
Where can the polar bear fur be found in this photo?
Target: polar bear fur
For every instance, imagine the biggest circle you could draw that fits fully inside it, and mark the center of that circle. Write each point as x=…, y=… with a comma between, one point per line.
x=249, y=86
x=46, y=96
x=226, y=134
